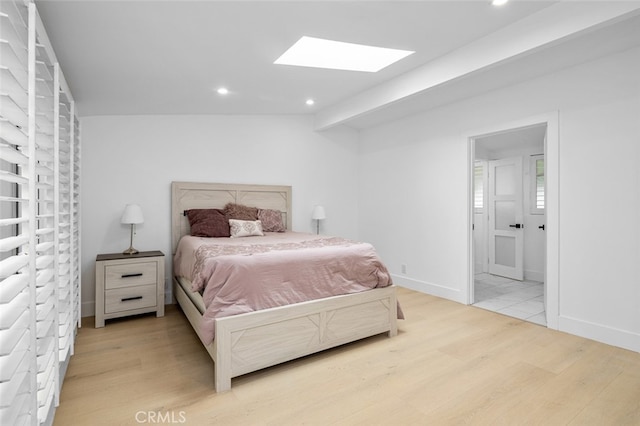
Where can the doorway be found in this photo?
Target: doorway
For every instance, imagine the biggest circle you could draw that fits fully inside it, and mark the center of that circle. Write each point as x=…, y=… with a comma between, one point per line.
x=508, y=227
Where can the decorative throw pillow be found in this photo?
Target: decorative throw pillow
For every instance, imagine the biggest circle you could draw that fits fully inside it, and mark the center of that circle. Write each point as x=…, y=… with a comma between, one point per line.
x=208, y=223
x=240, y=212
x=245, y=228
x=271, y=220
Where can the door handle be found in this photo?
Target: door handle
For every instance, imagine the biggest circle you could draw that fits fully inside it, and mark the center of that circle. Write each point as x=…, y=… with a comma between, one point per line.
x=517, y=226
x=541, y=227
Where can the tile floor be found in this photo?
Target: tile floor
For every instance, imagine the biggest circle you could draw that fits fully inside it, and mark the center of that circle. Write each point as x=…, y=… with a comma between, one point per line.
x=519, y=299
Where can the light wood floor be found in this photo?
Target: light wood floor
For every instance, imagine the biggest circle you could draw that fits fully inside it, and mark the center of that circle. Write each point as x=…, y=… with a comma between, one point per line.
x=449, y=364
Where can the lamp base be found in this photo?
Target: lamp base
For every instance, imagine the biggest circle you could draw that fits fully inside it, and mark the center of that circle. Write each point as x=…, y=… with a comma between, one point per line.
x=130, y=250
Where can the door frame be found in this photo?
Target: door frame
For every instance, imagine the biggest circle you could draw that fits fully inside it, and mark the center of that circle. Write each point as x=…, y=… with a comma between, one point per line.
x=552, y=213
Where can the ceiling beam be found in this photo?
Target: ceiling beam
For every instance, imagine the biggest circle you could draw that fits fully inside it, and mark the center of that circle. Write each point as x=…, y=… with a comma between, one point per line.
x=541, y=30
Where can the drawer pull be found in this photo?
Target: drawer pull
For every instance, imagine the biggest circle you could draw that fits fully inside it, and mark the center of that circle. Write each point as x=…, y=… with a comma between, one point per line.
x=139, y=274
x=126, y=299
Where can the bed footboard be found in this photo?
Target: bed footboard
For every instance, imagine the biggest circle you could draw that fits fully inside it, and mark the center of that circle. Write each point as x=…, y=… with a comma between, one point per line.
x=249, y=342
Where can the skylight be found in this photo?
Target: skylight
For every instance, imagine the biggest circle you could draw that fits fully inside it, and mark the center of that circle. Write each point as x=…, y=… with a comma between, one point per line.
x=321, y=53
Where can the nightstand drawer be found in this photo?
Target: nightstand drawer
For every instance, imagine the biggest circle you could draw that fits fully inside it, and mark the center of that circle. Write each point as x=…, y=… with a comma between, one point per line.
x=127, y=275
x=124, y=299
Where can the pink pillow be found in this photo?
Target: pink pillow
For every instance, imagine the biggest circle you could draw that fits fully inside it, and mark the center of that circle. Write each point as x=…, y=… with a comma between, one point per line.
x=271, y=220
x=240, y=212
x=208, y=223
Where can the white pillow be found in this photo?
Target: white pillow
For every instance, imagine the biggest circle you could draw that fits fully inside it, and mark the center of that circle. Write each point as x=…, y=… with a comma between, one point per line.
x=245, y=228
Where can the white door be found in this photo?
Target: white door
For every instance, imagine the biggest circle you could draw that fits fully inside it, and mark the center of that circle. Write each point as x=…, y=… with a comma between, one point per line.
x=505, y=230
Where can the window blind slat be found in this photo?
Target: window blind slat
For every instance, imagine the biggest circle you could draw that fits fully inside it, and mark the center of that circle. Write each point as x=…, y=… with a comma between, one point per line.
x=43, y=262
x=13, y=221
x=10, y=177
x=43, y=247
x=13, y=199
x=13, y=310
x=45, y=307
x=12, y=90
x=13, y=136
x=19, y=75
x=11, y=54
x=12, y=286
x=44, y=330
x=9, y=364
x=12, y=243
x=13, y=27
x=45, y=397
x=17, y=412
x=9, y=337
x=12, y=265
x=11, y=111
x=12, y=155
x=44, y=346
x=45, y=359
x=44, y=277
x=10, y=388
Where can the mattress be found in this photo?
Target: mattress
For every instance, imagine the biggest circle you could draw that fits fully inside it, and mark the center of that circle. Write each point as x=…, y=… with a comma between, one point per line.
x=240, y=275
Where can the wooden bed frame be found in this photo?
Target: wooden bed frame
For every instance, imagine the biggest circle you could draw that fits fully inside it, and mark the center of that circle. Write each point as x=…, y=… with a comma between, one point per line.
x=252, y=341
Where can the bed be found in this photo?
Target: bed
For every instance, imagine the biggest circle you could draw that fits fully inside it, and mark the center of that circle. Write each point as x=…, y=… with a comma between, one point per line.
x=251, y=341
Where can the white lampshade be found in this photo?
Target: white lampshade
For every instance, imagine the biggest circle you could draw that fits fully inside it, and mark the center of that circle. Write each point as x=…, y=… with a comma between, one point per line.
x=318, y=213
x=132, y=214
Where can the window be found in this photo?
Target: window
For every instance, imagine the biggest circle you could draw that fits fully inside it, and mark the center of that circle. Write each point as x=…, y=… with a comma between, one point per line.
x=478, y=186
x=536, y=168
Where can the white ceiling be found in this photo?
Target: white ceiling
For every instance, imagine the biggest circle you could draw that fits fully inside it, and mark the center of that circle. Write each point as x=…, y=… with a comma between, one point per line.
x=169, y=57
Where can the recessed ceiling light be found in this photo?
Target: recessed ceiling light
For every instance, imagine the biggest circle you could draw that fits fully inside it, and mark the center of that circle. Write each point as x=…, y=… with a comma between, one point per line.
x=223, y=91
x=310, y=102
x=498, y=2
x=321, y=53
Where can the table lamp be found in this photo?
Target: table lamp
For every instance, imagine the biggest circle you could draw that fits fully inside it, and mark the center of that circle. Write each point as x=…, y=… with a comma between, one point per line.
x=132, y=215
x=318, y=215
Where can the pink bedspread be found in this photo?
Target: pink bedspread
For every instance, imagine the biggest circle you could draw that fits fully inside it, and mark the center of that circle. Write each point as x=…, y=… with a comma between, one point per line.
x=239, y=275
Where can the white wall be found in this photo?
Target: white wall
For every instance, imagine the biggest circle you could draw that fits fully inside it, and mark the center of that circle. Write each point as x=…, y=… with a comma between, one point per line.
x=133, y=159
x=413, y=192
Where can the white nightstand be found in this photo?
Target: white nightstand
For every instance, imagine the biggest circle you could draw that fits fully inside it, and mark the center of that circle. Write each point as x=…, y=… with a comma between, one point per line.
x=129, y=284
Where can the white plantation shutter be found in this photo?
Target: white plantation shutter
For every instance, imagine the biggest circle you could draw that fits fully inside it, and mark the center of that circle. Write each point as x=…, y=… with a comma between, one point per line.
x=18, y=365
x=540, y=183
x=536, y=170
x=478, y=187
x=47, y=231
x=39, y=234
x=479, y=170
x=74, y=240
x=64, y=133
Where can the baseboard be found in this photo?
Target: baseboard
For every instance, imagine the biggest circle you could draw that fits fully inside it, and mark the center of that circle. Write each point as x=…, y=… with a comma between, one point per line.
x=600, y=333
x=534, y=276
x=429, y=288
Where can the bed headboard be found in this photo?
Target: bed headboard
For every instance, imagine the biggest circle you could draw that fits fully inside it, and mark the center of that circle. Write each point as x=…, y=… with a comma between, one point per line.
x=200, y=195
